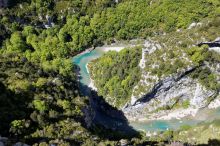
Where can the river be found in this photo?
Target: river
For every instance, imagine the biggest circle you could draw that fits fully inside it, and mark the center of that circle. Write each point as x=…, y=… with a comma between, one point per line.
x=83, y=59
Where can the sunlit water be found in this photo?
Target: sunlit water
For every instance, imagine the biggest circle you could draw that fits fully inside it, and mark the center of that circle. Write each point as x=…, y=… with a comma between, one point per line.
x=162, y=125
x=205, y=115
x=82, y=60
x=156, y=125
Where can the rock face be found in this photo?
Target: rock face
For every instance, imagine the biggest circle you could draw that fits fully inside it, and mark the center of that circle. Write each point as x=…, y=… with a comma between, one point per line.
x=151, y=82
x=20, y=144
x=149, y=47
x=215, y=43
x=2, y=144
x=215, y=103
x=166, y=95
x=4, y=141
x=192, y=25
x=169, y=96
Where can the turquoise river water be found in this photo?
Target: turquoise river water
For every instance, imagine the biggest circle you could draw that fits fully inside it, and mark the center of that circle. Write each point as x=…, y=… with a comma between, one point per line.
x=156, y=125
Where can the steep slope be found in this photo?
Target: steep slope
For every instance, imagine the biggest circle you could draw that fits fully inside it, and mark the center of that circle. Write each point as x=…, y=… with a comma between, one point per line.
x=115, y=74
x=44, y=108
x=33, y=101
x=176, y=78
x=41, y=103
x=179, y=75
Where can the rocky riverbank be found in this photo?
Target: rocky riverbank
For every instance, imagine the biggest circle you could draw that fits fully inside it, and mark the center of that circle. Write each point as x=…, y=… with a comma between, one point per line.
x=161, y=115
x=91, y=84
x=173, y=96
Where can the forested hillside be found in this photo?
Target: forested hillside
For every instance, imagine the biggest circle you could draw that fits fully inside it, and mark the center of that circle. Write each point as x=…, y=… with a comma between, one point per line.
x=116, y=73
x=33, y=101
x=44, y=107
x=48, y=32
x=40, y=101
x=177, y=51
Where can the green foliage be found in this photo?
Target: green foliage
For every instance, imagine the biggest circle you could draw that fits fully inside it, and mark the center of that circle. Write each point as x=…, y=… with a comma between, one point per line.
x=115, y=74
x=63, y=66
x=141, y=18
x=16, y=43
x=18, y=126
x=80, y=24
x=41, y=82
x=206, y=78
x=198, y=54
x=40, y=105
x=25, y=113
x=166, y=61
x=168, y=135
x=37, y=82
x=20, y=85
x=201, y=133
x=186, y=104
x=185, y=127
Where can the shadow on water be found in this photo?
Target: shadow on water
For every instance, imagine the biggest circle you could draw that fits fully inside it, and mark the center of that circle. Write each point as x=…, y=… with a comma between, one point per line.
x=108, y=122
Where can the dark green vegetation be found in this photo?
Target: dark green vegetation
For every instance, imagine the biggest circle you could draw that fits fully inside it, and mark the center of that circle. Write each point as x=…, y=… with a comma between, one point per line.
x=77, y=25
x=81, y=24
x=33, y=101
x=201, y=56
x=115, y=74
x=39, y=96
x=40, y=107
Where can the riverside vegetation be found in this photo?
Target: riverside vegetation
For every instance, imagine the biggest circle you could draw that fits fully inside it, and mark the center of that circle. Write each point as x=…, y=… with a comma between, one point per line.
x=41, y=103
x=176, y=54
x=116, y=73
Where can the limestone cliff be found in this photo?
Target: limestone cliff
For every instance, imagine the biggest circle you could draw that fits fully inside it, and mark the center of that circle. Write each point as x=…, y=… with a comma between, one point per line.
x=176, y=74
x=168, y=88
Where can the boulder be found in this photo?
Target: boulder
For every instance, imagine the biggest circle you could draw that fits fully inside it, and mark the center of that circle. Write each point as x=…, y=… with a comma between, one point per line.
x=2, y=144
x=20, y=144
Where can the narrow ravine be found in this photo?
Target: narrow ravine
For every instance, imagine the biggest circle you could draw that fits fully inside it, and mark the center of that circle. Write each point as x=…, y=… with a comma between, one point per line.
x=83, y=59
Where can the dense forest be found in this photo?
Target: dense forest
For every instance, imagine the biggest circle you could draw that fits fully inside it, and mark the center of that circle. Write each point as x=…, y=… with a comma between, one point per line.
x=40, y=101
x=33, y=101
x=115, y=74
x=43, y=108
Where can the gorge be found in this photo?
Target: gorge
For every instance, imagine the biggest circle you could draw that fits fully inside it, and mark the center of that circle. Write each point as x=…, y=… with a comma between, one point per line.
x=109, y=72
x=158, y=123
